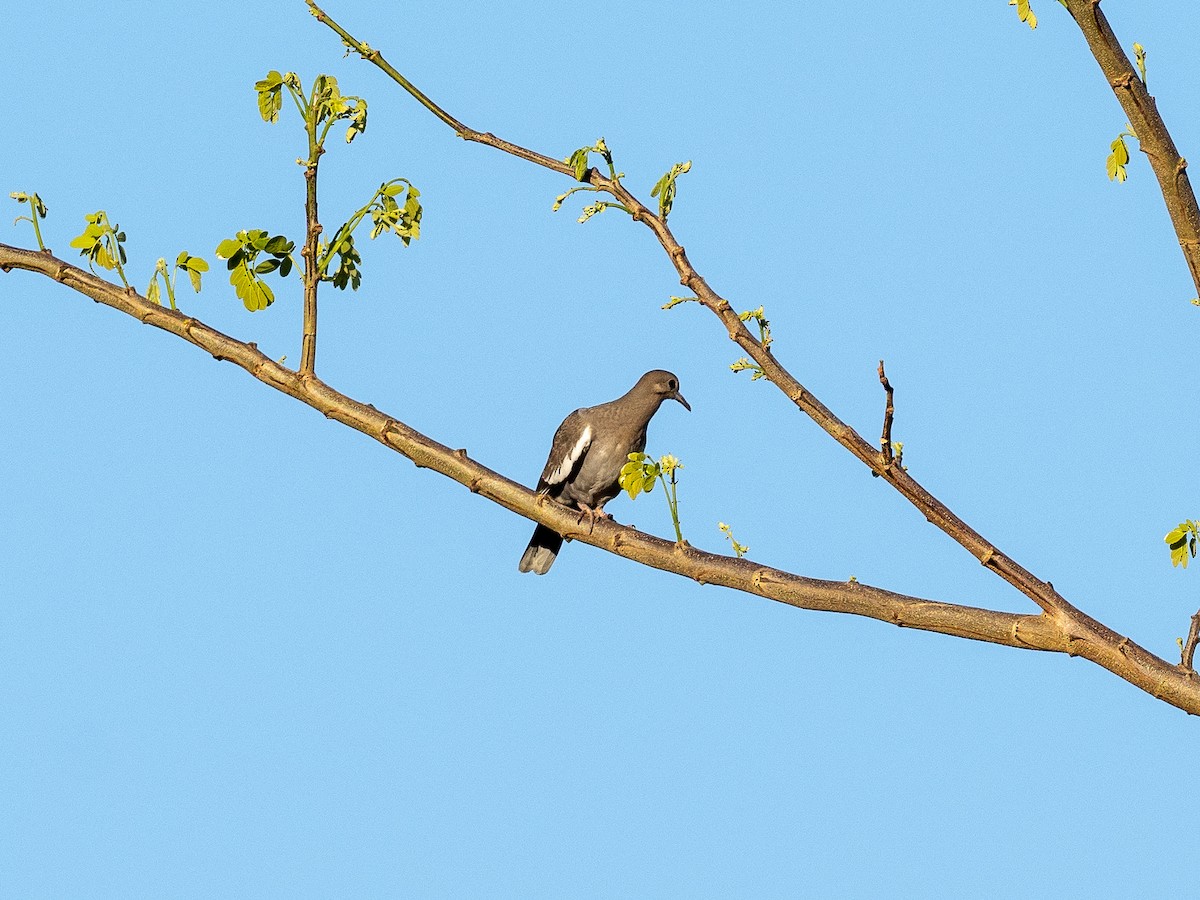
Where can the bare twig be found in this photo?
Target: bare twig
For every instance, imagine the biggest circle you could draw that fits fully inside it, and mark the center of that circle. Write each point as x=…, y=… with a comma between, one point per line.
x=888, y=411
x=1188, y=650
x=1169, y=167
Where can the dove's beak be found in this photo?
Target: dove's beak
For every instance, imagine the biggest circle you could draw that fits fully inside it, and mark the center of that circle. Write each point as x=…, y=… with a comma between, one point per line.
x=675, y=395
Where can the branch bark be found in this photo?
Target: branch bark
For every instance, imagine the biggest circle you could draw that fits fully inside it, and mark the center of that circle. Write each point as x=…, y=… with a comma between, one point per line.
x=1169, y=167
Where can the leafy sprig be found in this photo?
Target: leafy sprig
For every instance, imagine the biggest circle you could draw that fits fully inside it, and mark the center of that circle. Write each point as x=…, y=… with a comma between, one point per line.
x=1139, y=55
x=37, y=210
x=664, y=189
x=1024, y=13
x=241, y=254
x=743, y=364
x=739, y=550
x=387, y=214
x=1119, y=158
x=641, y=473
x=103, y=244
x=321, y=107
x=185, y=262
x=1181, y=540
x=578, y=160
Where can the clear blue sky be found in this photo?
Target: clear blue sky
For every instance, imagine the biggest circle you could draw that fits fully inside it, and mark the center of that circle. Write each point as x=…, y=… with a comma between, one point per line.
x=247, y=652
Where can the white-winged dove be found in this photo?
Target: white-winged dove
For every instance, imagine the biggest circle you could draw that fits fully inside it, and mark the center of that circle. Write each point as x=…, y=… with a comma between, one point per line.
x=589, y=449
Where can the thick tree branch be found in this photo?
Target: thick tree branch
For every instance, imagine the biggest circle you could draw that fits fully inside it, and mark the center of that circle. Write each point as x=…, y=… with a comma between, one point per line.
x=1030, y=632
x=1024, y=631
x=1169, y=167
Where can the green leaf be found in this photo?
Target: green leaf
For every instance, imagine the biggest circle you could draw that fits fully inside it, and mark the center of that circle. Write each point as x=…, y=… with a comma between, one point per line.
x=348, y=273
x=1182, y=540
x=358, y=119
x=34, y=201
x=227, y=248
x=1024, y=13
x=153, y=291
x=664, y=188
x=1120, y=151
x=277, y=245
x=578, y=161
x=270, y=96
x=194, y=266
x=1139, y=53
x=254, y=293
x=675, y=301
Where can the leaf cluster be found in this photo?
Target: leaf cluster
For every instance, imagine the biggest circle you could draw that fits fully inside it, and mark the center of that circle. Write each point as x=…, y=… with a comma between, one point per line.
x=640, y=474
x=1024, y=13
x=324, y=106
x=103, y=244
x=330, y=105
x=1181, y=540
x=578, y=160
x=241, y=254
x=270, y=93
x=664, y=189
x=194, y=266
x=744, y=364
x=387, y=214
x=1118, y=159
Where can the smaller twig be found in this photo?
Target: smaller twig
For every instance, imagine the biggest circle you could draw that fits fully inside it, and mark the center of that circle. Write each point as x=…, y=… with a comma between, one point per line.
x=888, y=411
x=1188, y=647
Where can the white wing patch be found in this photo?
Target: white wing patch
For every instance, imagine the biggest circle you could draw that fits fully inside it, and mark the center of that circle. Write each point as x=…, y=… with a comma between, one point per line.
x=567, y=465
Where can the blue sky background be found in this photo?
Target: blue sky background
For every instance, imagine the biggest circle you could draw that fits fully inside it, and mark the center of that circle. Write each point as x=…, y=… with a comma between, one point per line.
x=247, y=652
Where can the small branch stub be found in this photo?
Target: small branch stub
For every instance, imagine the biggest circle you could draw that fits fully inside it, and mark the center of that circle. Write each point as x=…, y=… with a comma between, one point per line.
x=889, y=411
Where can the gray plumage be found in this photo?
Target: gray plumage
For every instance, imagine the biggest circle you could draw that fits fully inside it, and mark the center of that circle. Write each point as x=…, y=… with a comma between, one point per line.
x=589, y=449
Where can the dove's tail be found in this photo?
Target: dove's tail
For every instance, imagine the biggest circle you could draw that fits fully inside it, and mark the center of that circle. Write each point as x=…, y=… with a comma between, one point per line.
x=543, y=548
